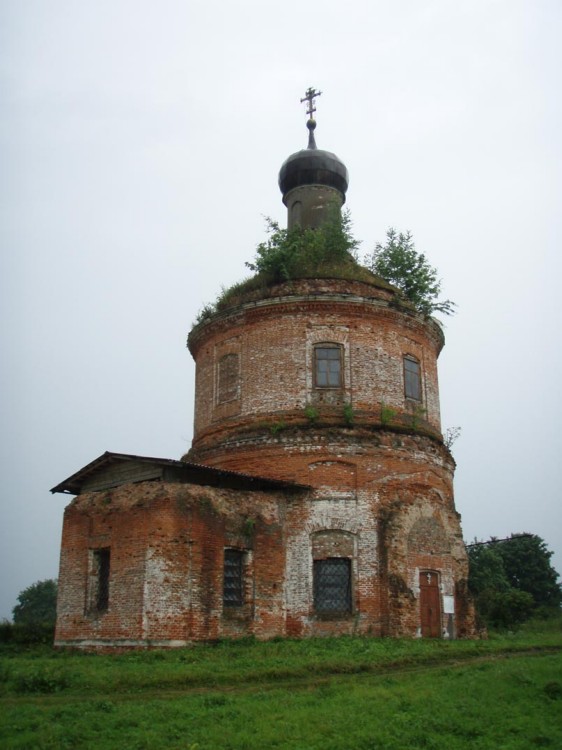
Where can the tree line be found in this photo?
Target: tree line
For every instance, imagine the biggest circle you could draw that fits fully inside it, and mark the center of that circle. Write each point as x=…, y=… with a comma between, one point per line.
x=512, y=580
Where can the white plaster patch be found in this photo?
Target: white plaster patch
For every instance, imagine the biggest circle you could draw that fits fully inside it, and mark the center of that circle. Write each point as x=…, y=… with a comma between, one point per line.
x=166, y=589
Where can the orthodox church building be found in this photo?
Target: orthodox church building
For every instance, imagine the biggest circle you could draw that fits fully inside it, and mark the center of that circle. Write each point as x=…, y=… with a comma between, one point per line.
x=317, y=496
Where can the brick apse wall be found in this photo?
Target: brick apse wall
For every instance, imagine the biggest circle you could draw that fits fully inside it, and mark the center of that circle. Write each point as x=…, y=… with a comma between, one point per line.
x=369, y=445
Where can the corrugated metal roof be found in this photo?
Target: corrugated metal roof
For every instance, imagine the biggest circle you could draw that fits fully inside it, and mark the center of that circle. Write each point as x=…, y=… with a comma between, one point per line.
x=192, y=472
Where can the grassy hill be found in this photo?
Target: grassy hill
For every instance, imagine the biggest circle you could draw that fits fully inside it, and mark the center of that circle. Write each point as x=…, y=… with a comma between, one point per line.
x=319, y=694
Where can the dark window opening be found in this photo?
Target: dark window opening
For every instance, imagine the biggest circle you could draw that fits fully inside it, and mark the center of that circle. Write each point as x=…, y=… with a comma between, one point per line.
x=296, y=212
x=227, y=378
x=233, y=593
x=328, y=366
x=100, y=579
x=332, y=585
x=412, y=379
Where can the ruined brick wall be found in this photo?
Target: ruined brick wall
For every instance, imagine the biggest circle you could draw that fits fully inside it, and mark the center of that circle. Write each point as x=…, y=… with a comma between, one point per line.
x=392, y=493
x=91, y=523
x=385, y=507
x=166, y=545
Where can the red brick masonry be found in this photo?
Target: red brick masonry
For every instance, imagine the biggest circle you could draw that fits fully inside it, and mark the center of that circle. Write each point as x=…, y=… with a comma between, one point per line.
x=381, y=479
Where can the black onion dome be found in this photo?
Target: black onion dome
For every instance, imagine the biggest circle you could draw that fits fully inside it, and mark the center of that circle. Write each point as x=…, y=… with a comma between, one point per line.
x=313, y=167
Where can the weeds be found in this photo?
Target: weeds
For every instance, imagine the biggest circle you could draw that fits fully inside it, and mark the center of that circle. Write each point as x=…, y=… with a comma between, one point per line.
x=311, y=413
x=277, y=427
x=40, y=681
x=387, y=414
x=553, y=690
x=450, y=436
x=348, y=415
x=418, y=413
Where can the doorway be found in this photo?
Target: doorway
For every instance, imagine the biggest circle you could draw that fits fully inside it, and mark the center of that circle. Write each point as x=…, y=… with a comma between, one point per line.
x=430, y=604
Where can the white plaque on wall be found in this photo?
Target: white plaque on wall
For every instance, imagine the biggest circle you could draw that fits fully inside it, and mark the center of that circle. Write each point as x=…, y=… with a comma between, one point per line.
x=449, y=605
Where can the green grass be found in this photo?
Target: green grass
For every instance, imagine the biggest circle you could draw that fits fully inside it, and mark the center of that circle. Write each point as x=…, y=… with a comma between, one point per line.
x=319, y=694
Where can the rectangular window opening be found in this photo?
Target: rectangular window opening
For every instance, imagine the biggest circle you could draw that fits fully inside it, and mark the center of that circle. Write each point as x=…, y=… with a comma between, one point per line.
x=412, y=379
x=228, y=378
x=233, y=591
x=332, y=586
x=99, y=592
x=328, y=366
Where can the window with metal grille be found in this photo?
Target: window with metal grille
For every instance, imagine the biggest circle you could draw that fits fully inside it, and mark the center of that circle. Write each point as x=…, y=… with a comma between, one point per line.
x=228, y=375
x=332, y=585
x=328, y=366
x=233, y=591
x=412, y=378
x=100, y=579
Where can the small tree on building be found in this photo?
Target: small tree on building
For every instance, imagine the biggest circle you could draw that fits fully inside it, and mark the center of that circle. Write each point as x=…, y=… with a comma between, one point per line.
x=398, y=262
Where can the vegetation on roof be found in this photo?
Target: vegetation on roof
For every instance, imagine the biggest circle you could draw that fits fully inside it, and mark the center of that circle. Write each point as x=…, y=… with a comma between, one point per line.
x=401, y=264
x=331, y=252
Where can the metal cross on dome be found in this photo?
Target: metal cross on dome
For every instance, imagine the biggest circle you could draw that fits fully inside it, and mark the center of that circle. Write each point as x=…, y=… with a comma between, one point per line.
x=309, y=97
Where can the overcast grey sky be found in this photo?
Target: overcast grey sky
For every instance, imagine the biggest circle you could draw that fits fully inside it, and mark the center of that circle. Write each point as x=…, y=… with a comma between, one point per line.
x=141, y=143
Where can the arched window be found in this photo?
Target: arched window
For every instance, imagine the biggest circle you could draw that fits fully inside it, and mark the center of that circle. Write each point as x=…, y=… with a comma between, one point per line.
x=328, y=366
x=296, y=213
x=412, y=378
x=332, y=568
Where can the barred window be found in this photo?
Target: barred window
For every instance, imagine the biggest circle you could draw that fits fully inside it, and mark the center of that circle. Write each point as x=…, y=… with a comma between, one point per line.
x=228, y=375
x=99, y=588
x=412, y=378
x=332, y=585
x=233, y=591
x=328, y=366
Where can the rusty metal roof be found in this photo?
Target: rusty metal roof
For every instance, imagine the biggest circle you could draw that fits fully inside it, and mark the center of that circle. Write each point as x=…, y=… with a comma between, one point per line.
x=192, y=473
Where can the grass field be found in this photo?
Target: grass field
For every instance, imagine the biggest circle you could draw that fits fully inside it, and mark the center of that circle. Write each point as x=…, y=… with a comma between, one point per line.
x=320, y=694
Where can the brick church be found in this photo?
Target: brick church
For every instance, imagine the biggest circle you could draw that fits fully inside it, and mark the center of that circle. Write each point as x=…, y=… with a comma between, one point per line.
x=317, y=496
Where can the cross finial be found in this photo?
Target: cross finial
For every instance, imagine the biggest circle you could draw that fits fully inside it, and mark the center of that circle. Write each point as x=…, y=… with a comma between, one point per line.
x=309, y=97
